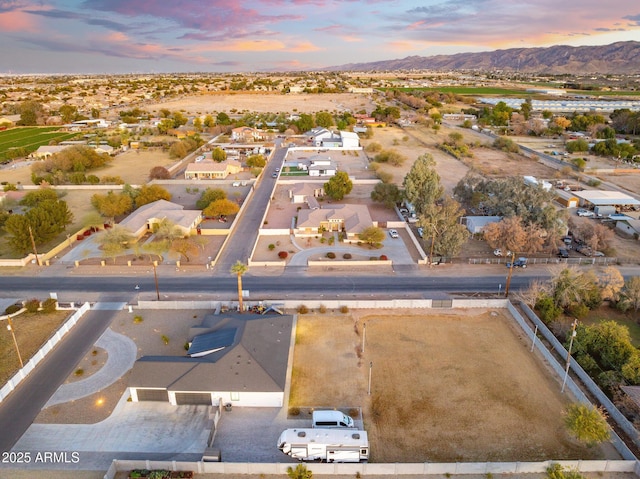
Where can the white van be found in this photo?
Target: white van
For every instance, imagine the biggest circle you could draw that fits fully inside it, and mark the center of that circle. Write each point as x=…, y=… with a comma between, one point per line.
x=331, y=418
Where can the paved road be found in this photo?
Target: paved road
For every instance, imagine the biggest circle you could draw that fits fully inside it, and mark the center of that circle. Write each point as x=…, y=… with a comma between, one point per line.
x=245, y=233
x=20, y=408
x=331, y=283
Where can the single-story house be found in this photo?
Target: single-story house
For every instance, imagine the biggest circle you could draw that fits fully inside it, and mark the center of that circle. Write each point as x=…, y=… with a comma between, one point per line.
x=46, y=151
x=317, y=135
x=322, y=168
x=306, y=193
x=209, y=169
x=234, y=359
x=475, y=224
x=348, y=218
x=142, y=220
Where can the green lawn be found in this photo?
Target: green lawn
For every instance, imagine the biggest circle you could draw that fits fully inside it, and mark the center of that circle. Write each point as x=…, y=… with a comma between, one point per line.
x=30, y=138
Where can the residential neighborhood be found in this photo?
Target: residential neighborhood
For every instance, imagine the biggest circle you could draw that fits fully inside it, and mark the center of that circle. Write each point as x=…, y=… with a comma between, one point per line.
x=192, y=274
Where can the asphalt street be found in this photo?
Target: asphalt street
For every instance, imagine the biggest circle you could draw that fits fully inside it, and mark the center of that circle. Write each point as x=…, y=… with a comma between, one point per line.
x=20, y=408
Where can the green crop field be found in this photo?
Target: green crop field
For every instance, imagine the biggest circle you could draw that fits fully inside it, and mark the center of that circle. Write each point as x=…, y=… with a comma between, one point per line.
x=29, y=138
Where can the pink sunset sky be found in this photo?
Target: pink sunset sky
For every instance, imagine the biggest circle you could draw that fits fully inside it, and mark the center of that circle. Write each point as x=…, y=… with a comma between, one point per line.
x=119, y=36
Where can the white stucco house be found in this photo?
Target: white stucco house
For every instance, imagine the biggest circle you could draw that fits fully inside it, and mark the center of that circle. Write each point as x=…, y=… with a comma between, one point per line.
x=234, y=359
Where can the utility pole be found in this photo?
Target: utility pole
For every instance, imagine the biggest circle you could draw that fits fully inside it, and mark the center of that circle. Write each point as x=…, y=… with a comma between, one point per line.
x=369, y=388
x=506, y=286
x=33, y=245
x=566, y=369
x=15, y=342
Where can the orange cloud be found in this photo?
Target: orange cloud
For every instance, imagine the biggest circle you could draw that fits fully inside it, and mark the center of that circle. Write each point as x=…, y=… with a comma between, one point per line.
x=17, y=22
x=350, y=38
x=305, y=47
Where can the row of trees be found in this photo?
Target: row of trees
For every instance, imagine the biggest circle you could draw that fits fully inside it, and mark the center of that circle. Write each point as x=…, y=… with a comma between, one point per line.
x=113, y=204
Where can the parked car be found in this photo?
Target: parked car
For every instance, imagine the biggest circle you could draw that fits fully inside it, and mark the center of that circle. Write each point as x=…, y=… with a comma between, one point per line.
x=587, y=213
x=404, y=211
x=420, y=232
x=563, y=253
x=277, y=170
x=275, y=175
x=597, y=253
x=498, y=252
x=585, y=250
x=393, y=233
x=519, y=263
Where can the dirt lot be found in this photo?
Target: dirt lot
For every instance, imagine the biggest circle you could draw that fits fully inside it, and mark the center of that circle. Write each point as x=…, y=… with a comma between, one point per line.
x=266, y=103
x=440, y=391
x=32, y=331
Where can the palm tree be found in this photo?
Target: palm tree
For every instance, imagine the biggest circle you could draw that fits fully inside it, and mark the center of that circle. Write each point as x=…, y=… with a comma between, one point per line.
x=239, y=268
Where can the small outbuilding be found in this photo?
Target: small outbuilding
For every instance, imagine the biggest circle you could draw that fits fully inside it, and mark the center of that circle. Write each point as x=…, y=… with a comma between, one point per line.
x=476, y=224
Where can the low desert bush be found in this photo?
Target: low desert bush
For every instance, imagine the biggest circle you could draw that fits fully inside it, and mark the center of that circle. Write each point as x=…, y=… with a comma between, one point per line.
x=32, y=305
x=302, y=309
x=331, y=255
x=283, y=255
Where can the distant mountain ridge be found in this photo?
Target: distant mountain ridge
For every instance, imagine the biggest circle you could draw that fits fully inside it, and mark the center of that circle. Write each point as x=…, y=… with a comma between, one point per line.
x=615, y=58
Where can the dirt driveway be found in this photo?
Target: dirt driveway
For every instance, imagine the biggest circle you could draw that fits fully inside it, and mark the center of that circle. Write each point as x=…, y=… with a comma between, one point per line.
x=446, y=386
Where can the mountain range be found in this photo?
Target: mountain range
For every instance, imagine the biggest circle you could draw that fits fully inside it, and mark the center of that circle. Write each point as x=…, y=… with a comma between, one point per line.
x=615, y=58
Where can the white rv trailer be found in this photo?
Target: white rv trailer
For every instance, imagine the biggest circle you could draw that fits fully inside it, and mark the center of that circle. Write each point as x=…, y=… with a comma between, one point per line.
x=326, y=445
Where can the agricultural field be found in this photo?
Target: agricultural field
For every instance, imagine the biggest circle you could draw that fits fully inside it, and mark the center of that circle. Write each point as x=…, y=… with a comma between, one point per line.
x=29, y=139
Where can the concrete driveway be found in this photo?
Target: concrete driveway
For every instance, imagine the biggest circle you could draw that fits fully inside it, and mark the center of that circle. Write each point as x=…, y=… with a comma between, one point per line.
x=152, y=430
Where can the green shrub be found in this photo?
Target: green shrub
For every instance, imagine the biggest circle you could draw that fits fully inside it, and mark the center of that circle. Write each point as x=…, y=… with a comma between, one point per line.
x=32, y=305
x=49, y=305
x=165, y=339
x=578, y=310
x=137, y=319
x=547, y=310
x=272, y=247
x=294, y=411
x=331, y=255
x=14, y=308
x=79, y=372
x=347, y=256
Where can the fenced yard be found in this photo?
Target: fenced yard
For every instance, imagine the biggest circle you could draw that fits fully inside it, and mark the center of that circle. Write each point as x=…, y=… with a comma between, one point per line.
x=457, y=386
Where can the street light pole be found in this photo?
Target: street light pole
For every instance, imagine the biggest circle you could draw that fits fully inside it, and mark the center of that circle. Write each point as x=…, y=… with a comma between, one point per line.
x=364, y=333
x=155, y=277
x=10, y=328
x=566, y=369
x=369, y=388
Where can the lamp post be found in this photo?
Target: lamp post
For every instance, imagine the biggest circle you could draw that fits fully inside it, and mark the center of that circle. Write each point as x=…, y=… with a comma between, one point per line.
x=155, y=277
x=566, y=369
x=369, y=388
x=10, y=328
x=364, y=333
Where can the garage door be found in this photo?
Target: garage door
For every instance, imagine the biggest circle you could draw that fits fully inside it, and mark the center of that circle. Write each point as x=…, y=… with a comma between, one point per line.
x=193, y=398
x=153, y=395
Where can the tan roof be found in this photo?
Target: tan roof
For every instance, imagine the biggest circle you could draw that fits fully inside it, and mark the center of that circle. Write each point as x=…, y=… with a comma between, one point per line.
x=208, y=166
x=159, y=210
x=355, y=217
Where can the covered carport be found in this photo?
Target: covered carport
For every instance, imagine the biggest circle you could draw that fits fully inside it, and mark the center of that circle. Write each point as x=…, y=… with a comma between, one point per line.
x=595, y=198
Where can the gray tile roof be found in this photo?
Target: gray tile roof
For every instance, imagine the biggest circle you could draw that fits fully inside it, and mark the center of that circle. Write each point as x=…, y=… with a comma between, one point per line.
x=255, y=362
